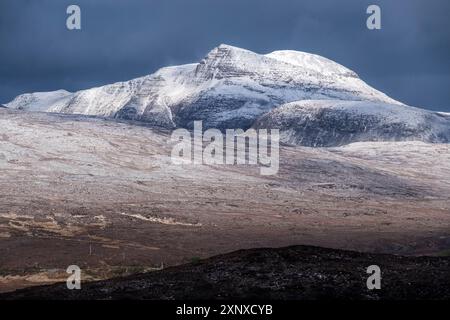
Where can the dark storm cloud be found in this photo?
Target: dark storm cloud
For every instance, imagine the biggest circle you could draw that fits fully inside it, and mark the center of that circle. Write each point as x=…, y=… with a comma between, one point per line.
x=408, y=59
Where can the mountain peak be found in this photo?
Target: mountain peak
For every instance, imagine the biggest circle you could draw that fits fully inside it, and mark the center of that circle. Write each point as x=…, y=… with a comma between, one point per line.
x=227, y=46
x=232, y=56
x=229, y=52
x=224, y=46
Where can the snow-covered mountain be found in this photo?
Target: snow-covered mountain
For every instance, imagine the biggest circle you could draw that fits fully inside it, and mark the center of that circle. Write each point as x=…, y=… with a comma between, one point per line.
x=230, y=87
x=233, y=88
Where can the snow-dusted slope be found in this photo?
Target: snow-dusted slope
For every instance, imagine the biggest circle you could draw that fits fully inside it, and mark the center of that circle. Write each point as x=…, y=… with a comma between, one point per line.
x=41, y=101
x=229, y=88
x=334, y=122
x=312, y=62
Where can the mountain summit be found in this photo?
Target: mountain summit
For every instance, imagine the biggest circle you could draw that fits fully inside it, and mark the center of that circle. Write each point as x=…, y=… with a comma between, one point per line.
x=237, y=88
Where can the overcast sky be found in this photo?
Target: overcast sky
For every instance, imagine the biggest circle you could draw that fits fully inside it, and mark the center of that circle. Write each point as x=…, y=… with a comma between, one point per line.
x=408, y=58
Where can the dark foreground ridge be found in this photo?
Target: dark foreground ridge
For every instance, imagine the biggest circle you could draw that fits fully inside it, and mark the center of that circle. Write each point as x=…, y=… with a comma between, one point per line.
x=298, y=272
